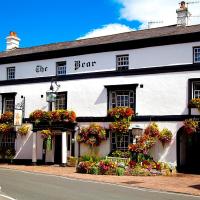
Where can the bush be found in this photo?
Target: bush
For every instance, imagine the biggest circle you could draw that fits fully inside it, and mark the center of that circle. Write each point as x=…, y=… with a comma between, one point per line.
x=94, y=170
x=120, y=171
x=139, y=171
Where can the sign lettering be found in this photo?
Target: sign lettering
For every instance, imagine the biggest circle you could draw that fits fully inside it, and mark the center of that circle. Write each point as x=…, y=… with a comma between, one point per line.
x=78, y=64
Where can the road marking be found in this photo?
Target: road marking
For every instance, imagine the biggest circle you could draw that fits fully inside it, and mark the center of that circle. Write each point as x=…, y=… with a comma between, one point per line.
x=5, y=196
x=105, y=183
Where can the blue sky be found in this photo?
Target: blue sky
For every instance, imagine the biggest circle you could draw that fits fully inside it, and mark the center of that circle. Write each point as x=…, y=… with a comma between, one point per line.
x=47, y=21
x=40, y=22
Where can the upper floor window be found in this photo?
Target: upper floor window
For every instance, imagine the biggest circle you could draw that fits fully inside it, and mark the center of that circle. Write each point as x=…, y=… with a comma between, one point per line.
x=61, y=68
x=61, y=101
x=122, y=62
x=10, y=73
x=122, y=98
x=196, y=55
x=121, y=95
x=196, y=90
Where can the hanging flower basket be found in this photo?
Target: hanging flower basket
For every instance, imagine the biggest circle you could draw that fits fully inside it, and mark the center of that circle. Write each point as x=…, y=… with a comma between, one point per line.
x=165, y=136
x=92, y=135
x=6, y=117
x=23, y=130
x=152, y=130
x=190, y=126
x=5, y=128
x=121, y=112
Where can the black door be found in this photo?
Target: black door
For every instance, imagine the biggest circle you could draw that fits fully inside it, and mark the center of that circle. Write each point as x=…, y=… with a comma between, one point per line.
x=188, y=148
x=58, y=149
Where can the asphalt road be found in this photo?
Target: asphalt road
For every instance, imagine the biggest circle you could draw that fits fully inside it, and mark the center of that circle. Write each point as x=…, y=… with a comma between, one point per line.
x=28, y=186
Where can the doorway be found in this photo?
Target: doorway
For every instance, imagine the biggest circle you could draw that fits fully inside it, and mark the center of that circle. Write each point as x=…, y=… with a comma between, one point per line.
x=58, y=149
x=188, y=148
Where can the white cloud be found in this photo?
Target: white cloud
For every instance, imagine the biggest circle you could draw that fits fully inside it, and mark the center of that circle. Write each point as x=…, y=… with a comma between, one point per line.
x=108, y=29
x=155, y=10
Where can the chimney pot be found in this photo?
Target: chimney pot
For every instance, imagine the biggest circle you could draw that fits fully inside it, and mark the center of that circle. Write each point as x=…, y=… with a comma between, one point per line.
x=12, y=41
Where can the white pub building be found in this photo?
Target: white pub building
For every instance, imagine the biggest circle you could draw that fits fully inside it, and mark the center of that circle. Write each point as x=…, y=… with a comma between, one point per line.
x=154, y=71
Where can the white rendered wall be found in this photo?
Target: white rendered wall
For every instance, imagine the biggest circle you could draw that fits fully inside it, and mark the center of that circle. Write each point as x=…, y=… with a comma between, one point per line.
x=162, y=94
x=175, y=54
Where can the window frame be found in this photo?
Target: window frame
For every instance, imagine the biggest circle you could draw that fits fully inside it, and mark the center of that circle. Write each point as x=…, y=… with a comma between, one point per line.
x=195, y=62
x=8, y=73
x=61, y=64
x=123, y=67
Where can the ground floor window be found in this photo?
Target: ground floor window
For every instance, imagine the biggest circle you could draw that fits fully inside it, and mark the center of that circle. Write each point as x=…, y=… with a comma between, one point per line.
x=121, y=141
x=7, y=145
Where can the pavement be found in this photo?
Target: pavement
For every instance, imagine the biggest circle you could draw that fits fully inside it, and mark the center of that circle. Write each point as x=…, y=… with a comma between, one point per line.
x=177, y=182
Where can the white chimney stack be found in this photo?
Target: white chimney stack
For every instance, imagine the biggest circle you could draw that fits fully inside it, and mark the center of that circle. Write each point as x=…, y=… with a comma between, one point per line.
x=182, y=15
x=12, y=41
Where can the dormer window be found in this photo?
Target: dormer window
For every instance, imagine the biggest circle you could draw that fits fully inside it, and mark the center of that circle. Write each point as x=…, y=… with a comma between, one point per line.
x=196, y=54
x=122, y=62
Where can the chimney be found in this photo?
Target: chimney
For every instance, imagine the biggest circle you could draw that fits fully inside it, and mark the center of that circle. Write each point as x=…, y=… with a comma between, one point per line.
x=182, y=14
x=12, y=41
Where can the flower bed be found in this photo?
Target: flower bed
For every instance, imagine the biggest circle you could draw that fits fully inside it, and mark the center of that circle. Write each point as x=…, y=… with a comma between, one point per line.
x=107, y=167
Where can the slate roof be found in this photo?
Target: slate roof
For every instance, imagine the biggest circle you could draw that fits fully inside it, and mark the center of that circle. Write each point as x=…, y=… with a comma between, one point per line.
x=116, y=38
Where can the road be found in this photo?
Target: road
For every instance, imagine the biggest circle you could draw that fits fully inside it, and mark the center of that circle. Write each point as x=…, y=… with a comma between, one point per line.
x=28, y=186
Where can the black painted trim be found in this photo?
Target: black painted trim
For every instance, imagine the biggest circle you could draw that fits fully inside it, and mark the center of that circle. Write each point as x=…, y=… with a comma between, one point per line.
x=141, y=71
x=140, y=118
x=124, y=45
x=135, y=119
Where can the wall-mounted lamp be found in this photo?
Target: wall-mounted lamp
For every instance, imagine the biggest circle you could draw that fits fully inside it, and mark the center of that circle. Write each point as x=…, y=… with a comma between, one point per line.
x=51, y=93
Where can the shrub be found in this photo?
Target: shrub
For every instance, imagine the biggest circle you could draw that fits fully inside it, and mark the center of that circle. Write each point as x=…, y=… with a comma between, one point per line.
x=120, y=171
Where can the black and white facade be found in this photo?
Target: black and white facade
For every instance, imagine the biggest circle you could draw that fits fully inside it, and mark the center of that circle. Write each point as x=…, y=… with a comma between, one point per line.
x=154, y=71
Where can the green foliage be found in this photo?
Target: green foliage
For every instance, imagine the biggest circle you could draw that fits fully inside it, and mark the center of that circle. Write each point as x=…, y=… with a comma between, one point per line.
x=121, y=154
x=94, y=170
x=139, y=171
x=120, y=171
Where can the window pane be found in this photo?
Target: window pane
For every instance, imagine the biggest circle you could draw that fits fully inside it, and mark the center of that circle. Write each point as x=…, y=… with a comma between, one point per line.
x=122, y=98
x=11, y=73
x=122, y=62
x=197, y=54
x=196, y=90
x=121, y=142
x=60, y=101
x=61, y=68
x=9, y=104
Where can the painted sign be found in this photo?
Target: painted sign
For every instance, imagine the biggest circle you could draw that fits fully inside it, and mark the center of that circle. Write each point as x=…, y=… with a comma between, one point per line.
x=18, y=117
x=78, y=64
